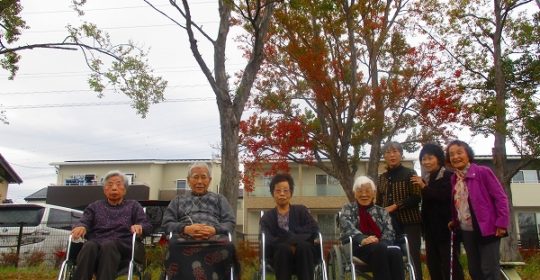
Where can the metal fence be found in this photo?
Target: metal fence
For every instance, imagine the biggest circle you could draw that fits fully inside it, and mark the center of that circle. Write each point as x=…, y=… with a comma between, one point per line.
x=46, y=244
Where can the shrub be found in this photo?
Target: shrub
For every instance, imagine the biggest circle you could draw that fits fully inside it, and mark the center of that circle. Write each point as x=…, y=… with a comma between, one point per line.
x=59, y=256
x=35, y=258
x=9, y=259
x=155, y=255
x=248, y=256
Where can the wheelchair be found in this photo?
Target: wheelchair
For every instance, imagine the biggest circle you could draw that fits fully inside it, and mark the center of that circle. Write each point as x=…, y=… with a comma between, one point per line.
x=135, y=266
x=195, y=245
x=342, y=261
x=319, y=272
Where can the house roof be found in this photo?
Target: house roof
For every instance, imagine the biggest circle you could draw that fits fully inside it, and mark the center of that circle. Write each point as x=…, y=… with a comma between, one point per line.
x=39, y=195
x=7, y=172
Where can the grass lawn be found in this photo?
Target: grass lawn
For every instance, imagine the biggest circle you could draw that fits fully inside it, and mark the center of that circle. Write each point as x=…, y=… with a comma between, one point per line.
x=531, y=271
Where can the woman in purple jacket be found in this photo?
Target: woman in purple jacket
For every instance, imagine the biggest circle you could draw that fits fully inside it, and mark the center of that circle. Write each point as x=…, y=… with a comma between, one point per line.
x=480, y=210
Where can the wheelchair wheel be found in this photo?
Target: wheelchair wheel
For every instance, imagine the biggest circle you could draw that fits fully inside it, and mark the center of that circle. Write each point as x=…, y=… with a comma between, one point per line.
x=336, y=265
x=67, y=273
x=317, y=273
x=409, y=271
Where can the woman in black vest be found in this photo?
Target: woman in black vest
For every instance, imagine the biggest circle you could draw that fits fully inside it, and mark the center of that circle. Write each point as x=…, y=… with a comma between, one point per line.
x=436, y=214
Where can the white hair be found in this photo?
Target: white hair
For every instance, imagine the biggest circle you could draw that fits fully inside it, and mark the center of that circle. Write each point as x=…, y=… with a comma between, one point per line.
x=362, y=180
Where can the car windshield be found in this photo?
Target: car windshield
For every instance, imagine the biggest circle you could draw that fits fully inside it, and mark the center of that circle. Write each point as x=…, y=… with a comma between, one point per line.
x=26, y=215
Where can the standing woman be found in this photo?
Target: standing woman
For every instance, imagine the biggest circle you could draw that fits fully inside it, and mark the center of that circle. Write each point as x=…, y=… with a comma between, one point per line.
x=290, y=231
x=397, y=194
x=436, y=213
x=480, y=209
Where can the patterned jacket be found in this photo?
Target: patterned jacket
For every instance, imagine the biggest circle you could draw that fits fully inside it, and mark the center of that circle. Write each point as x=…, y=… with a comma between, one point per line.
x=395, y=186
x=210, y=209
x=349, y=223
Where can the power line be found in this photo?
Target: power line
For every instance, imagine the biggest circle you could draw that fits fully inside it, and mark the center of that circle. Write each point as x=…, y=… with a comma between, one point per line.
x=189, y=69
x=88, y=104
x=31, y=167
x=84, y=91
x=110, y=9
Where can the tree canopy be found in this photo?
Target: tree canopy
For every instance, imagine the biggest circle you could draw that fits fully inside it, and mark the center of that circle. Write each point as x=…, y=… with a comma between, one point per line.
x=123, y=67
x=325, y=96
x=495, y=44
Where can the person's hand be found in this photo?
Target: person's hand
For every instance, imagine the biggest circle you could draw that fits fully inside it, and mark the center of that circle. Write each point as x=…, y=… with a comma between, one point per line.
x=451, y=225
x=368, y=240
x=391, y=208
x=136, y=229
x=500, y=232
x=200, y=231
x=78, y=232
x=208, y=231
x=418, y=181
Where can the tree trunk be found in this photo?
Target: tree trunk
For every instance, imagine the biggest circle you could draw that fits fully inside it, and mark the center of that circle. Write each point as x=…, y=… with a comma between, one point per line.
x=231, y=106
x=509, y=250
x=230, y=173
x=375, y=152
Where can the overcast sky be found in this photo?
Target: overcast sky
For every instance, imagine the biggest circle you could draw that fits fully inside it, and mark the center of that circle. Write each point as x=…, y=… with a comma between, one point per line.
x=46, y=123
x=57, y=130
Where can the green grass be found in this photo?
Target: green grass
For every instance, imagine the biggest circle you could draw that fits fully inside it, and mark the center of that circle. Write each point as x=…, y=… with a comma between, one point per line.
x=531, y=271
x=28, y=273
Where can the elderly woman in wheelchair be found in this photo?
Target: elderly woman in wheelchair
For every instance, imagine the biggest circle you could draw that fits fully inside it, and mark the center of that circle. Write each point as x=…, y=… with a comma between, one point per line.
x=289, y=231
x=200, y=223
x=369, y=228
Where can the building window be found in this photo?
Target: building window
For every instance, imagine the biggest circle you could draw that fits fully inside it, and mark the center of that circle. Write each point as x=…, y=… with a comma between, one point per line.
x=266, y=181
x=518, y=178
x=181, y=184
x=530, y=176
x=528, y=229
x=323, y=182
x=81, y=180
x=525, y=176
x=130, y=178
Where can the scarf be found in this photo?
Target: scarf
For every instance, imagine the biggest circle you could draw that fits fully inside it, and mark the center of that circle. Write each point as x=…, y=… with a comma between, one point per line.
x=461, y=201
x=366, y=224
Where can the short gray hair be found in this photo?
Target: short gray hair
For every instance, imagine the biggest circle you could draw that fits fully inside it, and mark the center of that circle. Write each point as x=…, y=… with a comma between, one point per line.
x=199, y=164
x=362, y=180
x=392, y=145
x=113, y=173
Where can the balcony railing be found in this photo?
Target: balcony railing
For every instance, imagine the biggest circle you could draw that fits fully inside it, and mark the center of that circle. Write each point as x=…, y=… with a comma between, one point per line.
x=305, y=190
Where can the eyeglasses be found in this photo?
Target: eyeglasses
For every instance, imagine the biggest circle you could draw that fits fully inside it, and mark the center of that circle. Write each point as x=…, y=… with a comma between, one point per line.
x=282, y=191
x=199, y=177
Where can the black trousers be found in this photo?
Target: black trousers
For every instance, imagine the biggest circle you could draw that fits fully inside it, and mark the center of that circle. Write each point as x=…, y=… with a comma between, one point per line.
x=385, y=263
x=482, y=256
x=103, y=259
x=438, y=259
x=296, y=259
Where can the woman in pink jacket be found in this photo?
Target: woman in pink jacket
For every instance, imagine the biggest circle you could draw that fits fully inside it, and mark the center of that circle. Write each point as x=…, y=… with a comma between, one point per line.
x=480, y=210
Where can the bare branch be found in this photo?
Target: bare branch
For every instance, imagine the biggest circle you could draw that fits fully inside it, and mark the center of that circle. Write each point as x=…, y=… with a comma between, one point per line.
x=187, y=14
x=163, y=13
x=61, y=46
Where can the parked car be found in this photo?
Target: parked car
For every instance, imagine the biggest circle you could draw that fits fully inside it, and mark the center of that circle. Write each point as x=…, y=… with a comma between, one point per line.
x=36, y=227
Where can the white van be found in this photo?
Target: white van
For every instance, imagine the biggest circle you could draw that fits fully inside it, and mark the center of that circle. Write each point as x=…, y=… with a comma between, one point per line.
x=42, y=228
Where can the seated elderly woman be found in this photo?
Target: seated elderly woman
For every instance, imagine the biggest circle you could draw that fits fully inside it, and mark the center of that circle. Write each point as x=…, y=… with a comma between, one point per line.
x=371, y=230
x=200, y=221
x=290, y=231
